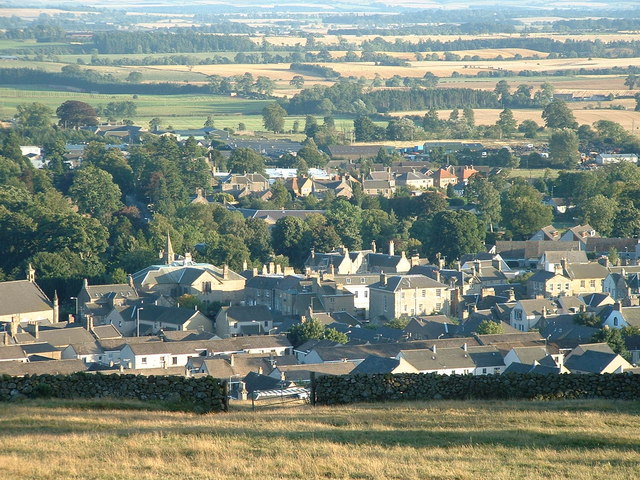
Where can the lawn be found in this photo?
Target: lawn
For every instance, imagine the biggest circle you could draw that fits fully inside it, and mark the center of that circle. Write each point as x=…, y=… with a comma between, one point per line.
x=437, y=440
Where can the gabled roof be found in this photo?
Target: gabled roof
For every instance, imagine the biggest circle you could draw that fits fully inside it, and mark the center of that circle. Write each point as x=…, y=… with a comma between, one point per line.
x=106, y=331
x=401, y=282
x=248, y=313
x=530, y=355
x=22, y=296
x=591, y=361
x=453, y=358
x=12, y=352
x=122, y=290
x=577, y=271
x=53, y=367
x=298, y=373
x=65, y=336
x=156, y=313
x=374, y=364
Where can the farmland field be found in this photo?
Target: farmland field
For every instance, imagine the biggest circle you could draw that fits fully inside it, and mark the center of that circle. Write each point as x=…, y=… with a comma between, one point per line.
x=47, y=440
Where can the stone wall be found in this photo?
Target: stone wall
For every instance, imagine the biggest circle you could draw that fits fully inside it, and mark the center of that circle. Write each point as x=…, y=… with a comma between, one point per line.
x=409, y=386
x=203, y=394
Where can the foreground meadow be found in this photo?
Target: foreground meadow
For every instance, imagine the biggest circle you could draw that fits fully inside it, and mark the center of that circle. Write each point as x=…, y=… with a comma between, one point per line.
x=444, y=440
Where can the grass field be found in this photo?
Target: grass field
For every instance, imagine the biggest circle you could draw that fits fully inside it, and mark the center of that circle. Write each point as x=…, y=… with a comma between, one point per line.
x=49, y=440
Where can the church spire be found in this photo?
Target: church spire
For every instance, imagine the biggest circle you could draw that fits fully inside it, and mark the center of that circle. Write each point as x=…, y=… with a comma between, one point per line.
x=169, y=255
x=31, y=274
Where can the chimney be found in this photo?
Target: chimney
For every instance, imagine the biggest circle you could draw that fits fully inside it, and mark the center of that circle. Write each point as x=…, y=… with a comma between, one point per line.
x=85, y=283
x=512, y=295
x=332, y=269
x=373, y=246
x=435, y=349
x=6, y=338
x=254, y=272
x=272, y=268
x=130, y=280
x=437, y=272
x=56, y=307
x=15, y=324
x=313, y=253
x=259, y=370
x=392, y=248
x=283, y=377
x=225, y=271
x=188, y=258
x=464, y=347
x=403, y=254
x=264, y=270
x=383, y=279
x=617, y=306
x=36, y=330
x=245, y=266
x=232, y=360
x=564, y=264
x=90, y=323
x=440, y=261
x=278, y=269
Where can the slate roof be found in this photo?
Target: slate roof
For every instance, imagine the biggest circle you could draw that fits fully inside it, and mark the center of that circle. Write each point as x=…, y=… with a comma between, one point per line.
x=374, y=364
x=52, y=367
x=401, y=282
x=530, y=355
x=578, y=271
x=591, y=361
x=61, y=337
x=12, y=352
x=254, y=381
x=22, y=296
x=563, y=331
x=517, y=367
x=249, y=313
x=157, y=313
x=530, y=338
x=106, y=331
x=573, y=256
x=298, y=373
x=123, y=290
x=454, y=358
x=532, y=249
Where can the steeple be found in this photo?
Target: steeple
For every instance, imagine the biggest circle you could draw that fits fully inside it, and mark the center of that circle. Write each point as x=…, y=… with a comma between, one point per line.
x=168, y=254
x=31, y=274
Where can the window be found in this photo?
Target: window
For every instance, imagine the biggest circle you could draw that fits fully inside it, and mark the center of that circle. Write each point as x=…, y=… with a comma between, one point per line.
x=615, y=322
x=348, y=280
x=592, y=283
x=206, y=287
x=424, y=293
x=583, y=283
x=143, y=360
x=402, y=295
x=438, y=306
x=551, y=287
x=362, y=280
x=266, y=323
x=484, y=371
x=355, y=294
x=366, y=293
x=438, y=292
x=384, y=303
x=174, y=360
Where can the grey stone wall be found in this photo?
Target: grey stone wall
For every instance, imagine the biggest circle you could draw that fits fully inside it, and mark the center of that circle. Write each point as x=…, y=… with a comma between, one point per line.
x=204, y=394
x=331, y=390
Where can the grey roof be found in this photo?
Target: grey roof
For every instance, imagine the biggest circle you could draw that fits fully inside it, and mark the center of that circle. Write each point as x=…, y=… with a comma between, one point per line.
x=187, y=335
x=586, y=271
x=374, y=364
x=53, y=367
x=401, y=282
x=157, y=313
x=249, y=313
x=120, y=290
x=530, y=249
x=365, y=151
x=454, y=358
x=356, y=352
x=517, y=367
x=11, y=352
x=591, y=361
x=530, y=338
x=172, y=348
x=106, y=331
x=263, y=282
x=254, y=381
x=92, y=348
x=298, y=373
x=22, y=296
x=60, y=337
x=315, y=343
x=541, y=276
x=573, y=256
x=530, y=355
x=563, y=331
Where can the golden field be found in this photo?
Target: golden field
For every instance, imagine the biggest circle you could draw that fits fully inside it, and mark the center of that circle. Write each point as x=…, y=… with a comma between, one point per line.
x=47, y=440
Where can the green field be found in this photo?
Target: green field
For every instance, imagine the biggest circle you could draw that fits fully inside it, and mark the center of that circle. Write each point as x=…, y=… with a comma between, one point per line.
x=48, y=440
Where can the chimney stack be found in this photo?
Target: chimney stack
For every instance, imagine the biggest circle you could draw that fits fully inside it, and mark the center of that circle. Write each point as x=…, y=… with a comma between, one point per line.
x=232, y=360
x=392, y=248
x=36, y=330
x=225, y=271
x=272, y=268
x=435, y=349
x=56, y=308
x=373, y=246
x=31, y=274
x=383, y=279
x=465, y=347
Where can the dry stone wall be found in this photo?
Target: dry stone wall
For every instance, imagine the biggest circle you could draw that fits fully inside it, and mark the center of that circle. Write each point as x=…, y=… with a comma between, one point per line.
x=203, y=394
x=330, y=390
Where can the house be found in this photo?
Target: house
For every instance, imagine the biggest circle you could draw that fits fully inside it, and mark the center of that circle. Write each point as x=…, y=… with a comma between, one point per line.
x=622, y=283
x=554, y=261
x=430, y=327
x=12, y=353
x=526, y=313
x=527, y=253
x=249, y=182
x=354, y=152
x=143, y=319
x=87, y=352
x=442, y=178
x=408, y=295
x=272, y=216
x=99, y=300
x=63, y=337
x=617, y=316
x=528, y=355
x=548, y=233
x=374, y=364
x=357, y=353
x=560, y=205
x=175, y=278
x=548, y=285
x=451, y=361
x=301, y=374
x=161, y=354
x=579, y=233
x=54, y=367
x=611, y=158
x=595, y=358
x=585, y=277
x=564, y=332
x=628, y=249
x=385, y=188
x=23, y=302
x=415, y=180
x=244, y=320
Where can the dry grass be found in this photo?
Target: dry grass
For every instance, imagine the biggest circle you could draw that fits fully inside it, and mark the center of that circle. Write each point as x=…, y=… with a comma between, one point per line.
x=443, y=440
